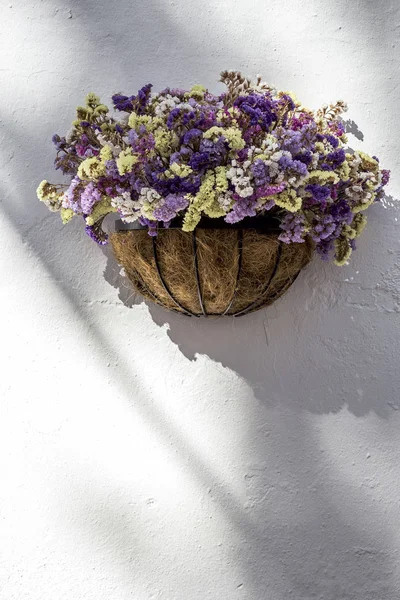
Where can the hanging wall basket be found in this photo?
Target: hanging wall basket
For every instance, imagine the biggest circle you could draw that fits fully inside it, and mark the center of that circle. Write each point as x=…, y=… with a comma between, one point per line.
x=221, y=198
x=212, y=271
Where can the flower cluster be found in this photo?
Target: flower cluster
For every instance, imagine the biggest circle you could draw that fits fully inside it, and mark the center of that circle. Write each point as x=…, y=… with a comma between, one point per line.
x=182, y=155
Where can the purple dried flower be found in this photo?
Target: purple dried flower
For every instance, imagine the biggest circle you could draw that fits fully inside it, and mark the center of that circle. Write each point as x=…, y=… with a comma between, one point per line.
x=319, y=193
x=385, y=176
x=288, y=164
x=173, y=116
x=292, y=141
x=90, y=195
x=97, y=234
x=304, y=157
x=324, y=248
x=260, y=173
x=143, y=98
x=173, y=203
x=323, y=228
x=243, y=207
x=191, y=134
x=72, y=197
x=259, y=108
x=341, y=212
x=59, y=142
x=199, y=161
x=269, y=190
x=333, y=160
x=123, y=103
x=293, y=228
x=243, y=154
x=332, y=140
x=152, y=225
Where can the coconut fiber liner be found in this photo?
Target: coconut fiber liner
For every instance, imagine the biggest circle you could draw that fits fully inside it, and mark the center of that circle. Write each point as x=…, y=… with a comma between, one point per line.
x=210, y=271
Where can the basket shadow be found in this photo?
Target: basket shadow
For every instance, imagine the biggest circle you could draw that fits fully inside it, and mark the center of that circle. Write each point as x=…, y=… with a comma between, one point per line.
x=293, y=352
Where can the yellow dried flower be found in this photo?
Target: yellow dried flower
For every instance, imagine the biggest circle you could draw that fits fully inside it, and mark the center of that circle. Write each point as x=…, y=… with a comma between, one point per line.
x=107, y=127
x=368, y=163
x=214, y=210
x=151, y=123
x=322, y=177
x=50, y=195
x=147, y=211
x=356, y=228
x=363, y=205
x=221, y=180
x=135, y=121
x=125, y=161
x=101, y=209
x=232, y=135
x=83, y=113
x=358, y=224
x=66, y=215
x=165, y=140
x=46, y=190
x=177, y=170
x=342, y=251
x=197, y=92
x=343, y=171
x=106, y=154
x=192, y=216
x=91, y=168
x=202, y=201
x=102, y=109
x=288, y=199
x=91, y=100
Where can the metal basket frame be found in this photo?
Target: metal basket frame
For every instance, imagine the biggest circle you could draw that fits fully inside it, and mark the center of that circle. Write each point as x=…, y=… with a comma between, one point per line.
x=260, y=225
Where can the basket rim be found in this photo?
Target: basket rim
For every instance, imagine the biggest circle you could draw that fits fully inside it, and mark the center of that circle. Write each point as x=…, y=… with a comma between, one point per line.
x=262, y=223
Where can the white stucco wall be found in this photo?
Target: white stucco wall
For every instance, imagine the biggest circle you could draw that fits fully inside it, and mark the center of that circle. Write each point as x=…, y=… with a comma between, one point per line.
x=146, y=456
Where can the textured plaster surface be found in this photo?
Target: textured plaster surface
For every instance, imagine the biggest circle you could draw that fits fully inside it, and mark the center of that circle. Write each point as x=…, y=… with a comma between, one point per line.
x=147, y=456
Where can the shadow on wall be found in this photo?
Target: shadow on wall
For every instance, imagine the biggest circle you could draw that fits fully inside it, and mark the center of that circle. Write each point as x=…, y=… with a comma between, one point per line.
x=317, y=546
x=295, y=535
x=316, y=348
